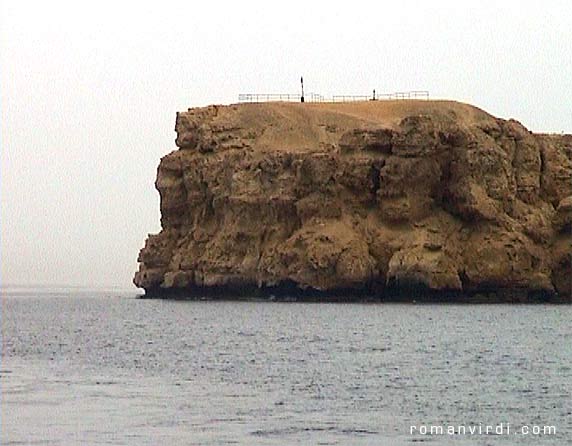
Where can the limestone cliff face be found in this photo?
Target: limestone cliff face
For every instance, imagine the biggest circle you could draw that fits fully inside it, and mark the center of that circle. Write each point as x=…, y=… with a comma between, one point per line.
x=371, y=198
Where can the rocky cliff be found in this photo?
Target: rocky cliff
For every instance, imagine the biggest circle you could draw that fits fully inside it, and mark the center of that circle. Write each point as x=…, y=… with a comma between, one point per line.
x=384, y=198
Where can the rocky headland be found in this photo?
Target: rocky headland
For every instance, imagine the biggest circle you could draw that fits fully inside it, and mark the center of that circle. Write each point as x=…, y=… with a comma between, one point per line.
x=381, y=199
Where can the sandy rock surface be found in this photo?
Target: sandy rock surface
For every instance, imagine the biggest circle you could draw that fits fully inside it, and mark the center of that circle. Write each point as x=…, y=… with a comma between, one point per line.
x=371, y=197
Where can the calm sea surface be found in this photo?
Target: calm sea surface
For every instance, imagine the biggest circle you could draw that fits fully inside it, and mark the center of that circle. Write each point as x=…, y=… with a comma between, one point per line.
x=83, y=368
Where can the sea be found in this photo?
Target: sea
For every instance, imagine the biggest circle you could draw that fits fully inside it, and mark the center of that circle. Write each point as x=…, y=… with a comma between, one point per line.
x=104, y=367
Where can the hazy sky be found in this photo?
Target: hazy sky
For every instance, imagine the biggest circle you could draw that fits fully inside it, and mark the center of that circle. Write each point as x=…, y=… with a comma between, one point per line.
x=89, y=92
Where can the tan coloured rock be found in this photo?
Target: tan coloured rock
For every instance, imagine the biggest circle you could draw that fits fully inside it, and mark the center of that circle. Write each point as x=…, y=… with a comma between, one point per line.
x=361, y=198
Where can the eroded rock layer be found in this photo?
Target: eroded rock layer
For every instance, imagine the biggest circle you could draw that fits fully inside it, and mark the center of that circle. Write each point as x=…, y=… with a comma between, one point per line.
x=372, y=198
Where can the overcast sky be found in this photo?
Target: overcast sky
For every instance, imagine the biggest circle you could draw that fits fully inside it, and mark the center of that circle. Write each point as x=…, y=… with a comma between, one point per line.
x=89, y=92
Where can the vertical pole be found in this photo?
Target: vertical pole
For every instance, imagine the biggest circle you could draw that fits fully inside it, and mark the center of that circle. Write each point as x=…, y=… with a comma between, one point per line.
x=302, y=84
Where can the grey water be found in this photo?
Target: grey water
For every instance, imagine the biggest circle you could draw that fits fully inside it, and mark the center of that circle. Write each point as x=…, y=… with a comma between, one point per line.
x=82, y=367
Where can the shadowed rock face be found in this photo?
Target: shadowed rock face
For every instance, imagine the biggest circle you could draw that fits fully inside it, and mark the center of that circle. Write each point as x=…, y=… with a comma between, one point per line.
x=371, y=198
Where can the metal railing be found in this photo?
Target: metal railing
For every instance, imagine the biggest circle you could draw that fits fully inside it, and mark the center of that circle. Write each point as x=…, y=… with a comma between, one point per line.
x=417, y=94
x=350, y=98
x=272, y=97
x=315, y=97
